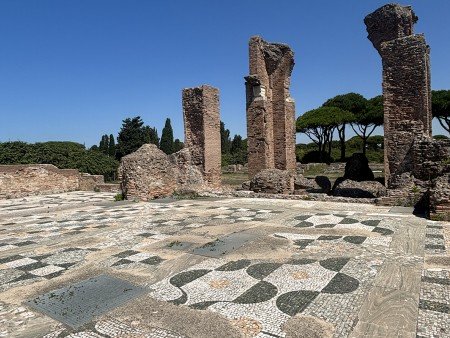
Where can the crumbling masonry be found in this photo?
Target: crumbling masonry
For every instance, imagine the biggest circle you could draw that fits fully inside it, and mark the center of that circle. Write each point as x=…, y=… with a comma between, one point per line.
x=406, y=86
x=416, y=168
x=270, y=108
x=202, y=130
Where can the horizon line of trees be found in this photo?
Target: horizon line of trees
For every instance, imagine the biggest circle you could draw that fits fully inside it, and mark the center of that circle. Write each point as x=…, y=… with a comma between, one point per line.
x=361, y=114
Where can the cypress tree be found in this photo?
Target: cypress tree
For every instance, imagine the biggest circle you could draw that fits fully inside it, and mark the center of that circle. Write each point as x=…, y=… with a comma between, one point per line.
x=166, y=143
x=111, y=146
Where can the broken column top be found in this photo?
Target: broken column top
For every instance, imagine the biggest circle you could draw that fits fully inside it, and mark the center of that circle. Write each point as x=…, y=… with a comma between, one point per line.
x=273, y=52
x=390, y=22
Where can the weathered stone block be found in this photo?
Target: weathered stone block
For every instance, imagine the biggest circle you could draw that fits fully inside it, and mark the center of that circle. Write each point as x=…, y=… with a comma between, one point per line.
x=273, y=181
x=202, y=130
x=363, y=189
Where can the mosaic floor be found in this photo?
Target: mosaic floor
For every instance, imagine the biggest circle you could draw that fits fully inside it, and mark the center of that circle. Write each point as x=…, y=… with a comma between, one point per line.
x=220, y=268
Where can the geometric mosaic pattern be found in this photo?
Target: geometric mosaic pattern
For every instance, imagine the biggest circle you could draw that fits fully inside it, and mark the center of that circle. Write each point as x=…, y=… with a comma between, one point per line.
x=136, y=257
x=20, y=268
x=264, y=291
x=336, y=221
x=434, y=238
x=434, y=309
x=302, y=240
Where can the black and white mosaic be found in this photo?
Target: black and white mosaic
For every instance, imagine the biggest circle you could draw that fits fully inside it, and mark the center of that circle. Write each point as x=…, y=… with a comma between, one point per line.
x=434, y=238
x=302, y=241
x=434, y=308
x=133, y=257
x=267, y=292
x=339, y=221
x=24, y=269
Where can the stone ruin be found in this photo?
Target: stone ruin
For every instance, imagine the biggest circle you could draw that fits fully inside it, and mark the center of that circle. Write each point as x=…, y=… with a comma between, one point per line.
x=202, y=130
x=270, y=108
x=406, y=86
x=149, y=173
x=413, y=159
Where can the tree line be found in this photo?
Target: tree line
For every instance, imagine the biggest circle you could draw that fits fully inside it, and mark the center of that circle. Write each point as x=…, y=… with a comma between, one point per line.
x=361, y=114
x=133, y=134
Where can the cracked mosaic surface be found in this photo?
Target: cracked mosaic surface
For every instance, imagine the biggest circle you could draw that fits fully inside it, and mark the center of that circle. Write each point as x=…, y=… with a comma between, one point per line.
x=324, y=260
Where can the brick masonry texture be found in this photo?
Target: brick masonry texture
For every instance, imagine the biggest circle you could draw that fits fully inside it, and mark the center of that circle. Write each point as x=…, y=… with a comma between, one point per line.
x=202, y=130
x=41, y=179
x=270, y=108
x=406, y=86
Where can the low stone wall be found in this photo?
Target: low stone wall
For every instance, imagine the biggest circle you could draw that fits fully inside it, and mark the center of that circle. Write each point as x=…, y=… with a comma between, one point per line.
x=90, y=182
x=43, y=179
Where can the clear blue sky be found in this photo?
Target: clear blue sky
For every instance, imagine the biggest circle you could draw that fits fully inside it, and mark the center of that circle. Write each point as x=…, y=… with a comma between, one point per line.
x=72, y=70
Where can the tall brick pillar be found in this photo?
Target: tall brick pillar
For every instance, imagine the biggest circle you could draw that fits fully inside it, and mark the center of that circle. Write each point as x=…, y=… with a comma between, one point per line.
x=202, y=130
x=270, y=108
x=406, y=86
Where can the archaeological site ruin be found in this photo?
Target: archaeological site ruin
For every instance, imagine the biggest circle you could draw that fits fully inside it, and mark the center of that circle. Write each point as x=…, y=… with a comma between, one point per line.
x=270, y=107
x=415, y=170
x=202, y=130
x=187, y=240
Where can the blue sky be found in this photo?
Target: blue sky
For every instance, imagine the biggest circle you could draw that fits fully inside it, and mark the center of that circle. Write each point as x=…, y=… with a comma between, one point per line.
x=73, y=70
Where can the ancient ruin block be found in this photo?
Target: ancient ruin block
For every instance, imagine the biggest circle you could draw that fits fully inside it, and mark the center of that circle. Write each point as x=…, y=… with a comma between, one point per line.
x=406, y=86
x=270, y=108
x=202, y=130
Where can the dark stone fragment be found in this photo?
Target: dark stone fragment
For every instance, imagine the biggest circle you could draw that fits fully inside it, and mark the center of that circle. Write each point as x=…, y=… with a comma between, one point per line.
x=186, y=277
x=341, y=283
x=435, y=280
x=304, y=225
x=126, y=253
x=25, y=276
x=122, y=262
x=355, y=239
x=434, y=306
x=348, y=221
x=262, y=270
x=303, y=243
x=181, y=300
x=302, y=217
x=294, y=302
x=429, y=236
x=435, y=247
x=260, y=292
x=328, y=237
x=234, y=265
x=152, y=260
x=325, y=226
x=32, y=266
x=435, y=227
x=66, y=265
x=11, y=258
x=334, y=264
x=202, y=305
x=371, y=222
x=383, y=231
x=41, y=257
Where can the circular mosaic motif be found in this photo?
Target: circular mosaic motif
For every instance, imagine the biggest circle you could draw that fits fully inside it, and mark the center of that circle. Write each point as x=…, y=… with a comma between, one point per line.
x=248, y=326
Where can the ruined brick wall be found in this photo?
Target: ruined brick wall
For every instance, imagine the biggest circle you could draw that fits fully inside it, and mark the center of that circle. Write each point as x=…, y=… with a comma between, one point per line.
x=406, y=86
x=270, y=108
x=202, y=130
x=36, y=179
x=89, y=182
